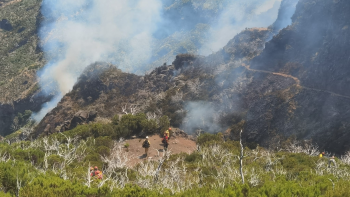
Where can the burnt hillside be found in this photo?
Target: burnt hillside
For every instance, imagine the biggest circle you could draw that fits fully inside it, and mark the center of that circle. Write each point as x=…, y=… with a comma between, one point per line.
x=315, y=51
x=293, y=86
x=107, y=91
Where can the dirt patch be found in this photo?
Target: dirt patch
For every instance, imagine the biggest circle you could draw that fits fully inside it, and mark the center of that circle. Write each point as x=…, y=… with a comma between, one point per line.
x=155, y=152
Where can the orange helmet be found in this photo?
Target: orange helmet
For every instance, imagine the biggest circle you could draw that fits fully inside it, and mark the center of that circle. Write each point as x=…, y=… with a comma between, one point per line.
x=169, y=128
x=96, y=168
x=91, y=168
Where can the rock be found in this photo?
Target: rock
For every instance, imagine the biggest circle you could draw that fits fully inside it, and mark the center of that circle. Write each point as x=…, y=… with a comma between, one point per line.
x=80, y=117
x=176, y=132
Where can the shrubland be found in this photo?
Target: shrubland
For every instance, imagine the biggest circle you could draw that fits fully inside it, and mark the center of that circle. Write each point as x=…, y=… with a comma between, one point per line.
x=58, y=165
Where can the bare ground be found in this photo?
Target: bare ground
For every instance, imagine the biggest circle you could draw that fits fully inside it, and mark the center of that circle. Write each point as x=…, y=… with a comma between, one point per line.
x=176, y=145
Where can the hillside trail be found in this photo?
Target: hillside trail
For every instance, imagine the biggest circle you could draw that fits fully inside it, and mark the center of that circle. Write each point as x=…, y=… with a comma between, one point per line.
x=177, y=145
x=296, y=80
x=10, y=2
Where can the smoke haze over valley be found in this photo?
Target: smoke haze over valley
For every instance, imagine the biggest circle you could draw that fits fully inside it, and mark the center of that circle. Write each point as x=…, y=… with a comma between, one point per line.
x=174, y=98
x=212, y=66
x=129, y=33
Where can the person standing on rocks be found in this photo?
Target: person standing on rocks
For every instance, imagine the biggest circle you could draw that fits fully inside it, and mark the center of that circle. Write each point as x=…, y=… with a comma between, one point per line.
x=146, y=144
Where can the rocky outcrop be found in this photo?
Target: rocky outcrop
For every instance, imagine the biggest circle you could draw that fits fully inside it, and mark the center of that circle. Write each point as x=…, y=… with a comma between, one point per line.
x=176, y=132
x=79, y=118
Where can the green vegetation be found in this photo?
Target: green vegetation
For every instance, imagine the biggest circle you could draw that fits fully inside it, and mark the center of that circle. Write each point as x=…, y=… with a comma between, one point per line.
x=19, y=50
x=58, y=165
x=127, y=126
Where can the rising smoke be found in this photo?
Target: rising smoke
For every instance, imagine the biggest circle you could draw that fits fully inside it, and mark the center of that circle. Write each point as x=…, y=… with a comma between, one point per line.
x=237, y=16
x=200, y=116
x=78, y=33
x=205, y=116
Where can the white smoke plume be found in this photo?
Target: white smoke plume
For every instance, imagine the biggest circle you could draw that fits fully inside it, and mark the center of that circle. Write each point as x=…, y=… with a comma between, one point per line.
x=200, y=117
x=237, y=16
x=75, y=34
x=78, y=33
x=81, y=32
x=46, y=108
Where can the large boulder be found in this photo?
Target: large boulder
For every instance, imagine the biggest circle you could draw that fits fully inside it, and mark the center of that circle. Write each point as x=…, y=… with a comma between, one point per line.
x=81, y=117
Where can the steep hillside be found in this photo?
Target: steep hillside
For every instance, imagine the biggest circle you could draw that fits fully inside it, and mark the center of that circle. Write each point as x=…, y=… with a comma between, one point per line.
x=293, y=86
x=314, y=55
x=21, y=57
x=105, y=90
x=20, y=53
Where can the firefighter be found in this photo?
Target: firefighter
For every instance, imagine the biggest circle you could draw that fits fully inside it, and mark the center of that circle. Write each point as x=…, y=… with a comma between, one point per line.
x=167, y=132
x=165, y=142
x=321, y=155
x=146, y=144
x=96, y=173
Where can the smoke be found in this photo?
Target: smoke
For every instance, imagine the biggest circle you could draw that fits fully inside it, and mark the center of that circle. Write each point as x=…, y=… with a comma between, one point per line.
x=78, y=33
x=285, y=14
x=134, y=33
x=46, y=108
x=199, y=116
x=237, y=16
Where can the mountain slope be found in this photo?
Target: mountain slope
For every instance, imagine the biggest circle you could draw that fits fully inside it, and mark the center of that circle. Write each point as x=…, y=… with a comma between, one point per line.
x=292, y=86
x=315, y=50
x=21, y=57
x=108, y=91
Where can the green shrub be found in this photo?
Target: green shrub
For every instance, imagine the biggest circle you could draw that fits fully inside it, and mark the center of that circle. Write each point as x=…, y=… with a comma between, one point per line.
x=149, y=126
x=54, y=160
x=193, y=157
x=104, y=141
x=207, y=137
x=55, y=186
x=115, y=120
x=298, y=162
x=133, y=122
x=164, y=124
x=103, y=151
